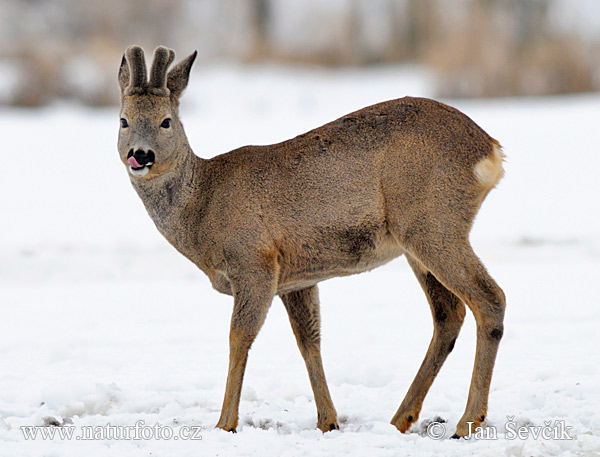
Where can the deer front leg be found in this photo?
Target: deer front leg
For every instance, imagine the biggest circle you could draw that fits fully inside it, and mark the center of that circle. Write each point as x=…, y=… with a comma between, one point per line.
x=303, y=310
x=252, y=297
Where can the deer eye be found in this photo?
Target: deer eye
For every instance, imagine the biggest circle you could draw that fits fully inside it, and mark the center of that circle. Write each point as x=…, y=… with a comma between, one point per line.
x=166, y=123
x=124, y=123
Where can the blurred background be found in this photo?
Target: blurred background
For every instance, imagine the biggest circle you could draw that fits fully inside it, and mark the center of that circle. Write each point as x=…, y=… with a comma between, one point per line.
x=69, y=49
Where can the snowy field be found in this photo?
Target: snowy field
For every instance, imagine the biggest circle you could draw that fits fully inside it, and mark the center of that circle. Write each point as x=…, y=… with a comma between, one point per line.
x=104, y=323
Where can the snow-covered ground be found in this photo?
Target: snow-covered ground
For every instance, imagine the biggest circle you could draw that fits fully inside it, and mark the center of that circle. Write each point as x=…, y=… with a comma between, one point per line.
x=104, y=323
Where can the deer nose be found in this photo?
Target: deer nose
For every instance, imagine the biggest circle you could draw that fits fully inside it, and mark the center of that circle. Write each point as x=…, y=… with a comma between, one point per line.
x=140, y=158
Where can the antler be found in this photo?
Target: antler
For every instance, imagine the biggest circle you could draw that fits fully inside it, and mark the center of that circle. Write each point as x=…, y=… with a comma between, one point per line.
x=137, y=70
x=163, y=57
x=133, y=74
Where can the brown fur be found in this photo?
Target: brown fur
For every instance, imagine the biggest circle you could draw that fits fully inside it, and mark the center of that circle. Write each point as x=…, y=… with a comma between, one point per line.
x=405, y=176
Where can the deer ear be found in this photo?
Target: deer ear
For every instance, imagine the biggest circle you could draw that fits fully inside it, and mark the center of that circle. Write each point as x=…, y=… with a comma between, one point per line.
x=177, y=79
x=124, y=74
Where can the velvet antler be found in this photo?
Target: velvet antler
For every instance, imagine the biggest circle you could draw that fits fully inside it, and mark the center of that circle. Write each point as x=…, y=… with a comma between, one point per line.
x=163, y=57
x=134, y=55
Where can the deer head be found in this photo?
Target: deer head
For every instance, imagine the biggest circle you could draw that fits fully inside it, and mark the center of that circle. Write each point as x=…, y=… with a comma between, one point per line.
x=151, y=137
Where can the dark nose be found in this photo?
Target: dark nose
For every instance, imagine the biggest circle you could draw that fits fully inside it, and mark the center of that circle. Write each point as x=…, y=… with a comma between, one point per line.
x=142, y=157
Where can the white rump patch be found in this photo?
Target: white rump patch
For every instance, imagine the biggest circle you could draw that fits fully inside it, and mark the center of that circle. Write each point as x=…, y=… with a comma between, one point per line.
x=489, y=170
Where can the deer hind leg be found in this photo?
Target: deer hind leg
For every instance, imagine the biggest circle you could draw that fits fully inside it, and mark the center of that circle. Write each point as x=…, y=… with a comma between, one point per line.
x=252, y=297
x=448, y=315
x=303, y=310
x=458, y=268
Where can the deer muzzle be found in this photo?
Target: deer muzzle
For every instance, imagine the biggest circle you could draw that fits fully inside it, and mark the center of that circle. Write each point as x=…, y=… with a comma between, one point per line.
x=140, y=161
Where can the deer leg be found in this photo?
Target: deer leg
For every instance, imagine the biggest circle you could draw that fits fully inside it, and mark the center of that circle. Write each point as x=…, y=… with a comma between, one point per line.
x=252, y=298
x=303, y=310
x=460, y=270
x=448, y=315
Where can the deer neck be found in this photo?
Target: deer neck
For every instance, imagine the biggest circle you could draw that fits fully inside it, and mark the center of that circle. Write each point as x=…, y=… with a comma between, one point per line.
x=167, y=198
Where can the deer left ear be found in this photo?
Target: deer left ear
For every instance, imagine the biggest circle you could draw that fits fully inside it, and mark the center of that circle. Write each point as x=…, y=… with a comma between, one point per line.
x=178, y=77
x=124, y=74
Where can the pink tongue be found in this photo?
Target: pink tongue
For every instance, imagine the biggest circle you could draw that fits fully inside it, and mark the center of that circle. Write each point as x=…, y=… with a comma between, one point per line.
x=134, y=163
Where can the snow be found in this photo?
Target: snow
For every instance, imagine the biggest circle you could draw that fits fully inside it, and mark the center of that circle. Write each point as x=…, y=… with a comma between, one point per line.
x=104, y=323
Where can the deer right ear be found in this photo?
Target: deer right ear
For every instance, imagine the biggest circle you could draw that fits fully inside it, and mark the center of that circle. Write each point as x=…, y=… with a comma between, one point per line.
x=124, y=75
x=178, y=77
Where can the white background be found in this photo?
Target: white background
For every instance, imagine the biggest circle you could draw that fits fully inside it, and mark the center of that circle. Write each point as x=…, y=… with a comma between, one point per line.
x=103, y=322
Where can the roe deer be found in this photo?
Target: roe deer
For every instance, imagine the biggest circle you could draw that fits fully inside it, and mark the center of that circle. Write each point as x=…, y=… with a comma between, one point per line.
x=405, y=176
